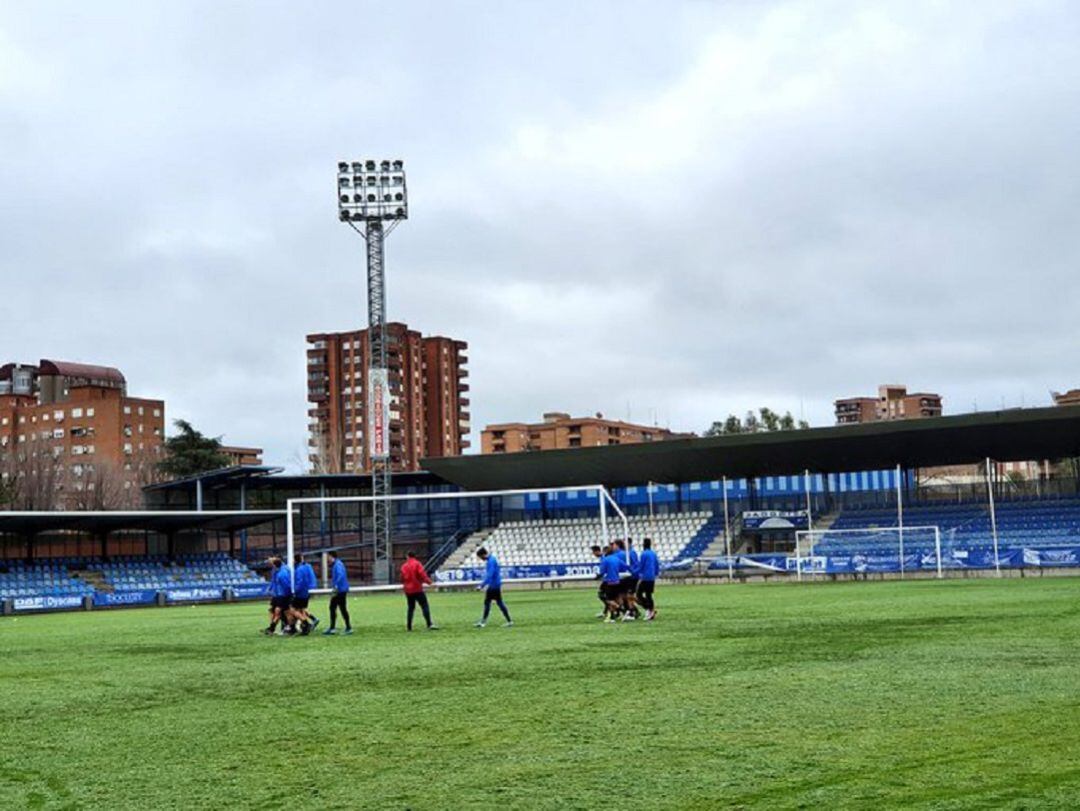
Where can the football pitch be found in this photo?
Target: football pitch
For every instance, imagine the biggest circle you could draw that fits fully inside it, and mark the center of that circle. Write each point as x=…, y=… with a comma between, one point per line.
x=955, y=694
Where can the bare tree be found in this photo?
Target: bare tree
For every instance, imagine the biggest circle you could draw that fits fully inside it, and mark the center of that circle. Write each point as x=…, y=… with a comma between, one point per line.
x=35, y=478
x=325, y=455
x=100, y=486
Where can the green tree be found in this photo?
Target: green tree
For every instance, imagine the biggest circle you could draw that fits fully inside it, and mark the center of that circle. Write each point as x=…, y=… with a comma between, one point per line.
x=765, y=420
x=188, y=452
x=770, y=420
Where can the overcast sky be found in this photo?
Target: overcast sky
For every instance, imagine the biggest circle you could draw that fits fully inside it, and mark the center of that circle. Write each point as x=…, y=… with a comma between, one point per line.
x=657, y=211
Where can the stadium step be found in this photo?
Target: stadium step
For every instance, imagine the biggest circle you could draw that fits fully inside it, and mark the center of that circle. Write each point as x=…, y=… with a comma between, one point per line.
x=825, y=521
x=465, y=551
x=717, y=548
x=92, y=578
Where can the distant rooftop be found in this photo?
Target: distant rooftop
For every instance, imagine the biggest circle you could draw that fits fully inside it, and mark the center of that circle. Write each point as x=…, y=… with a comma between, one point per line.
x=80, y=370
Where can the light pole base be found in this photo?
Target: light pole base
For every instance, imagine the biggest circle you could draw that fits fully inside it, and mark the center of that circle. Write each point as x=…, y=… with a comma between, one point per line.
x=380, y=572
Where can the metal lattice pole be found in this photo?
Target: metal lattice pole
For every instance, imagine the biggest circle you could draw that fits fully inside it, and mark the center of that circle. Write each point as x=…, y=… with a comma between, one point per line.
x=381, y=506
x=371, y=193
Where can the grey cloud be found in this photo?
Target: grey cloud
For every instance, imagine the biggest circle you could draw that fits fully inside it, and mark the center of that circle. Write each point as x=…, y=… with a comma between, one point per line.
x=673, y=216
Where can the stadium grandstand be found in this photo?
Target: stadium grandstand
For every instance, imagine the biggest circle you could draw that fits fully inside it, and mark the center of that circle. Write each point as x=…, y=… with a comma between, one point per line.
x=724, y=506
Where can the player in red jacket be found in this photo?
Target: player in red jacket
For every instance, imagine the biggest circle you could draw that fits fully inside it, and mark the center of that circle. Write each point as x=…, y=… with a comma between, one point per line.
x=413, y=580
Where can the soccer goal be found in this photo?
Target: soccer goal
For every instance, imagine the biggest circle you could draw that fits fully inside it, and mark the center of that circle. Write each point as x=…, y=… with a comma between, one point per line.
x=538, y=534
x=901, y=550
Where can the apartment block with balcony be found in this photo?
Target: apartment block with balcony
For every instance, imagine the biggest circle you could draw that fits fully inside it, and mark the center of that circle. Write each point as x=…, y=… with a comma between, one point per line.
x=81, y=418
x=1069, y=398
x=428, y=399
x=560, y=430
x=893, y=402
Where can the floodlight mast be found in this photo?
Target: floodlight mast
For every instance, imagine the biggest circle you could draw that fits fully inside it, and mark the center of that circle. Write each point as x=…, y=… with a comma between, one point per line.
x=371, y=193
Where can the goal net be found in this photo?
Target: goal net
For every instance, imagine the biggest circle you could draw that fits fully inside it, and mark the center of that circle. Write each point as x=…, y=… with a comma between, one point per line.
x=903, y=550
x=535, y=534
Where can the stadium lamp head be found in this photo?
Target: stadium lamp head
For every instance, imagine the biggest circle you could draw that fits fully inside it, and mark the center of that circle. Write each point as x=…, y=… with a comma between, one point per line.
x=378, y=191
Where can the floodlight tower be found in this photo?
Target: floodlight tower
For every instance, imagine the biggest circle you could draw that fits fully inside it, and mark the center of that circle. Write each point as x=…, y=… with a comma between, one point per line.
x=372, y=201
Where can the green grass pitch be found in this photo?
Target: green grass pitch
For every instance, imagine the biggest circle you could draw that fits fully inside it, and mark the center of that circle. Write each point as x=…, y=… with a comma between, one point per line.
x=955, y=694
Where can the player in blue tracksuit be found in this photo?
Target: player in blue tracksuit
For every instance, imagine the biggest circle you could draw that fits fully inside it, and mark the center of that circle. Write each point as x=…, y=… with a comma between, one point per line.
x=492, y=587
x=280, y=595
x=610, y=582
x=628, y=566
x=305, y=581
x=648, y=571
x=339, y=581
x=598, y=553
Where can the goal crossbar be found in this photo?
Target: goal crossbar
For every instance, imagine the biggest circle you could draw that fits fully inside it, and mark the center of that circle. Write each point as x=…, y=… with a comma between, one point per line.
x=604, y=500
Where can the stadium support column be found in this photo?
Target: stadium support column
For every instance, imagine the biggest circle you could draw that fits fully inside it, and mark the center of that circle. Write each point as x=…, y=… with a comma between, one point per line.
x=809, y=505
x=727, y=534
x=243, y=532
x=993, y=515
x=604, y=537
x=900, y=516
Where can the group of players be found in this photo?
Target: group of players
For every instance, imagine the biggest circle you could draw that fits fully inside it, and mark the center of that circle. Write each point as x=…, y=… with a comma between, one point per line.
x=627, y=580
x=290, y=594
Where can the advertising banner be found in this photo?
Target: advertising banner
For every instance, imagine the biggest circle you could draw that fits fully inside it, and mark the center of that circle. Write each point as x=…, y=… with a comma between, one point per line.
x=248, y=592
x=519, y=572
x=138, y=597
x=192, y=595
x=50, y=603
x=774, y=519
x=378, y=414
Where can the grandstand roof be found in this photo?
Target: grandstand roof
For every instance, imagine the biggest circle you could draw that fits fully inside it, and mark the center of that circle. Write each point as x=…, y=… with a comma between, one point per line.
x=219, y=477
x=1013, y=435
x=30, y=523
x=268, y=476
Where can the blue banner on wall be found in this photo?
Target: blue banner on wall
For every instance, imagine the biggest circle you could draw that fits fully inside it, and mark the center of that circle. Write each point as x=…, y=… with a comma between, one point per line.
x=518, y=572
x=248, y=592
x=48, y=603
x=979, y=558
x=194, y=594
x=138, y=597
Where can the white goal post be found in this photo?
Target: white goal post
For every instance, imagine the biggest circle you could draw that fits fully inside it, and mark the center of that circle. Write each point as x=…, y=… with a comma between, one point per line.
x=863, y=542
x=603, y=497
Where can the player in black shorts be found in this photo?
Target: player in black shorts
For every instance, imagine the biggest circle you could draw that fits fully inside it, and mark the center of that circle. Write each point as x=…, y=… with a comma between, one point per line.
x=280, y=596
x=598, y=553
x=629, y=580
x=492, y=585
x=648, y=570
